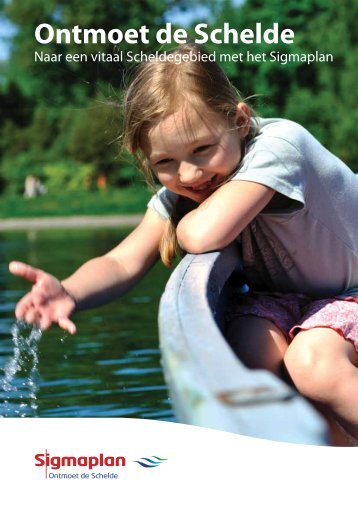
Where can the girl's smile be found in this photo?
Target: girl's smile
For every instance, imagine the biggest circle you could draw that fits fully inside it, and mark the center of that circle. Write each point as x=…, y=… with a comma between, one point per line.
x=191, y=153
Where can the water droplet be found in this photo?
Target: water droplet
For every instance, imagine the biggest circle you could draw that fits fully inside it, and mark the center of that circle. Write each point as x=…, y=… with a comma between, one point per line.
x=24, y=362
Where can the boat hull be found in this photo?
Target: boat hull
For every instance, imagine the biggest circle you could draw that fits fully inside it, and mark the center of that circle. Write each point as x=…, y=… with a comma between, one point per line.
x=208, y=384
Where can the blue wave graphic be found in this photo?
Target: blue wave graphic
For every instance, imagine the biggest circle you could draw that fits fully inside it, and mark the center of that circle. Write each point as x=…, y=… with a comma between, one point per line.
x=152, y=462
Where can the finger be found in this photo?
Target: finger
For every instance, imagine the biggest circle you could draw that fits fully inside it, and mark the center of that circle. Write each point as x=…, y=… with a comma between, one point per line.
x=67, y=324
x=25, y=271
x=31, y=316
x=45, y=321
x=23, y=306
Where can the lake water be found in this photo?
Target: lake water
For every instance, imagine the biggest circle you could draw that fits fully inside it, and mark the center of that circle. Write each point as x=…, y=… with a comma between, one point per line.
x=111, y=367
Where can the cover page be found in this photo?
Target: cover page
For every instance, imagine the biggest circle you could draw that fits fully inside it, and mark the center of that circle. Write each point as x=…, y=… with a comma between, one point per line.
x=178, y=251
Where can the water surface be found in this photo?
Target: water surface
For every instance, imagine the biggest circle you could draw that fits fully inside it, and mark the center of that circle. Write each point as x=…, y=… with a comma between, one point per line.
x=111, y=367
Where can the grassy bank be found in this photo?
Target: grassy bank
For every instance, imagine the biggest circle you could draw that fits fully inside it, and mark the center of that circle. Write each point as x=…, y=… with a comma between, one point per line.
x=129, y=200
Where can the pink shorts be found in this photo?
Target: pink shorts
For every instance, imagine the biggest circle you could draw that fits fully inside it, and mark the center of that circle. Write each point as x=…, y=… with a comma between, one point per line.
x=292, y=312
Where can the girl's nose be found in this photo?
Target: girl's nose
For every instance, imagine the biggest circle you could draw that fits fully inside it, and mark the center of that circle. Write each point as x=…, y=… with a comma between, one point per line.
x=188, y=173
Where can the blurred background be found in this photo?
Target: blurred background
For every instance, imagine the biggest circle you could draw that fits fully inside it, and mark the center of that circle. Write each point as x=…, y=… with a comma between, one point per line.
x=60, y=121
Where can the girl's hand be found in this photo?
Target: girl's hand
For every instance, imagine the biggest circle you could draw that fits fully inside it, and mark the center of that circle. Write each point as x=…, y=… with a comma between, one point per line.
x=47, y=302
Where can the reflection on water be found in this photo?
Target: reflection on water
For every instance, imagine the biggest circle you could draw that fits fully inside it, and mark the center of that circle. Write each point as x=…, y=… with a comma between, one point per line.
x=111, y=367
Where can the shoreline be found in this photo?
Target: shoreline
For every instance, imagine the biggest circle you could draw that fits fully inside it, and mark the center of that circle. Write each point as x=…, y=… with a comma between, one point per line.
x=57, y=222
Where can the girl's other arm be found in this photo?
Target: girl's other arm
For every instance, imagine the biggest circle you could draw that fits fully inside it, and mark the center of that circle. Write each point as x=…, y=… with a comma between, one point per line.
x=98, y=281
x=222, y=216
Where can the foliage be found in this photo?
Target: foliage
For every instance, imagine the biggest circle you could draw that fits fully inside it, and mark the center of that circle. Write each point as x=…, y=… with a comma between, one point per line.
x=321, y=96
x=15, y=169
x=131, y=199
x=68, y=176
x=61, y=121
x=92, y=136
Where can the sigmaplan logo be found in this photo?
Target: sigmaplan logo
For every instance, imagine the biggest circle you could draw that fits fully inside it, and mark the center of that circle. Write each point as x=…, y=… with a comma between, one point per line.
x=52, y=463
x=152, y=462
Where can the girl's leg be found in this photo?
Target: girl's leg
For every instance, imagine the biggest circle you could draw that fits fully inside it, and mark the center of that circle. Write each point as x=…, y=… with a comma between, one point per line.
x=324, y=368
x=257, y=342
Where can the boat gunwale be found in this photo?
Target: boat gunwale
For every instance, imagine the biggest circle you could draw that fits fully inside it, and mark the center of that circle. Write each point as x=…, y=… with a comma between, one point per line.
x=208, y=384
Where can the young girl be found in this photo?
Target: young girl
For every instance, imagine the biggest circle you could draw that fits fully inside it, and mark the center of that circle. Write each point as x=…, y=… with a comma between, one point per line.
x=227, y=176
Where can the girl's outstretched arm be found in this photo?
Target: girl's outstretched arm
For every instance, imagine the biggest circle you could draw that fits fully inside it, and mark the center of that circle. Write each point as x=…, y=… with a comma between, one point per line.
x=96, y=282
x=105, y=278
x=222, y=216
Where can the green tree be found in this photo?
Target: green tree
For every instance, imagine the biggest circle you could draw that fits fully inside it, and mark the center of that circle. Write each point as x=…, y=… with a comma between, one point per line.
x=321, y=96
x=75, y=81
x=56, y=113
x=53, y=114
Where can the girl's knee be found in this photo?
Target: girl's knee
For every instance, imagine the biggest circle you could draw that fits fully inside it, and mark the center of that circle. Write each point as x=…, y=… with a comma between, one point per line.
x=318, y=364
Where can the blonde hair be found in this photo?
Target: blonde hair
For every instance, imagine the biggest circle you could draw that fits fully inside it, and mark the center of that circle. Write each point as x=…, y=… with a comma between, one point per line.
x=159, y=87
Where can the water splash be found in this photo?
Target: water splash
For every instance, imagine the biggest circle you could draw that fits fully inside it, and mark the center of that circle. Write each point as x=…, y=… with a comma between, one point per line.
x=19, y=385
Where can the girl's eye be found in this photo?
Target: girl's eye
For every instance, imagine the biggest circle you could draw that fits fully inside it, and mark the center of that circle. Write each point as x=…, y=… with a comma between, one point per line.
x=164, y=161
x=201, y=149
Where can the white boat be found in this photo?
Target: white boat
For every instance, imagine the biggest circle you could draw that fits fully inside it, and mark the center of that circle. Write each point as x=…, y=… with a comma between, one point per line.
x=208, y=384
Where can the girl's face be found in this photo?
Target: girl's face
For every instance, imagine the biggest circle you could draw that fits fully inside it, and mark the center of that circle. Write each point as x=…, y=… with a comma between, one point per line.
x=193, y=153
